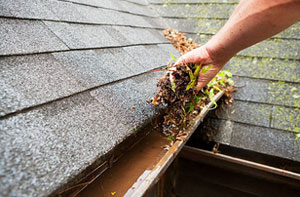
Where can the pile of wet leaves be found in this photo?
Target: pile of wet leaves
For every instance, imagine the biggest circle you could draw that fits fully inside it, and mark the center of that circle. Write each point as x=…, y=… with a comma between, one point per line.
x=178, y=91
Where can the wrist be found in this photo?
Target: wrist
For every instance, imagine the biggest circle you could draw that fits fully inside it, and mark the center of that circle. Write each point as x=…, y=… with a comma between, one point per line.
x=219, y=52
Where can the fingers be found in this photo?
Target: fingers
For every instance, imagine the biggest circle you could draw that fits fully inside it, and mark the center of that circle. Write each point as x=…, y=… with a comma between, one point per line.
x=204, y=78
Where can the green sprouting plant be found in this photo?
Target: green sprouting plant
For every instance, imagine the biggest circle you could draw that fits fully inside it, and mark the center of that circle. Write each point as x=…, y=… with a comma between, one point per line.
x=204, y=70
x=193, y=77
x=198, y=99
x=190, y=106
x=211, y=98
x=297, y=137
x=172, y=57
x=173, y=86
x=171, y=138
x=210, y=94
x=224, y=76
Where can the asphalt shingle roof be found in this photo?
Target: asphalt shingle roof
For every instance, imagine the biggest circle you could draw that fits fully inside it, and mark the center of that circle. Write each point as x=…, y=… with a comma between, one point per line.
x=72, y=69
x=70, y=73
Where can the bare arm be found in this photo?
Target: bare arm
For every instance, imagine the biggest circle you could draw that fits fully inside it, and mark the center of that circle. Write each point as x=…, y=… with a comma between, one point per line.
x=251, y=22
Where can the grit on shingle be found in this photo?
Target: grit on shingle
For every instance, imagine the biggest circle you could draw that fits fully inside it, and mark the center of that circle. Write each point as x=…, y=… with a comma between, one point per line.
x=22, y=36
x=26, y=9
x=48, y=146
x=266, y=113
x=70, y=74
x=33, y=79
x=78, y=36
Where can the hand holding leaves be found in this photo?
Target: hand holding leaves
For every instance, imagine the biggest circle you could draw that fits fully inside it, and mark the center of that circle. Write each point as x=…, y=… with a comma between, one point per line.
x=209, y=67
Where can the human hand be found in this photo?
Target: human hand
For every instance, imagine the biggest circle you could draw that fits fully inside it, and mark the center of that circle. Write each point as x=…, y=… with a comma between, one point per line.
x=202, y=56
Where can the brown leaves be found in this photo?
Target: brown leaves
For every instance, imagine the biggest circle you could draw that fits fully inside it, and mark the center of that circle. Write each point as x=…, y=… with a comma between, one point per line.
x=183, y=104
x=179, y=41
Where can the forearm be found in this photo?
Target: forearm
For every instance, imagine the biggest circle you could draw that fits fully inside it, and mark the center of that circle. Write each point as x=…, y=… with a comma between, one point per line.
x=252, y=22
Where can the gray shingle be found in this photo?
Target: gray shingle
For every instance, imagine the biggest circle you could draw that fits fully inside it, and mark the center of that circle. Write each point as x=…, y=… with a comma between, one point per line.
x=141, y=55
x=113, y=68
x=158, y=34
x=44, y=149
x=264, y=140
x=26, y=9
x=117, y=35
x=221, y=129
x=284, y=93
x=157, y=22
x=186, y=11
x=207, y=26
x=122, y=57
x=296, y=150
x=32, y=80
x=142, y=2
x=120, y=97
x=127, y=19
x=137, y=9
x=252, y=90
x=161, y=57
x=112, y=4
x=146, y=84
x=169, y=48
x=275, y=49
x=286, y=118
x=86, y=67
x=137, y=35
x=82, y=36
x=265, y=68
x=47, y=147
x=21, y=36
x=212, y=26
x=250, y=113
x=116, y=17
x=95, y=15
x=192, y=1
x=264, y=91
x=67, y=11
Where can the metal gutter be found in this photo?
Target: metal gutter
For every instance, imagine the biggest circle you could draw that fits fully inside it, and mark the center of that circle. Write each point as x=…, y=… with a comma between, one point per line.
x=152, y=176
x=142, y=166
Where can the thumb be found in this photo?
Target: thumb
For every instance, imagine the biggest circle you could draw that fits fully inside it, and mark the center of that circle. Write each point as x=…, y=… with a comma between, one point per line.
x=193, y=57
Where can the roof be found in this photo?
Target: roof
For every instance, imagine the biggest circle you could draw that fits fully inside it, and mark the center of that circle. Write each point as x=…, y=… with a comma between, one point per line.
x=70, y=73
x=266, y=113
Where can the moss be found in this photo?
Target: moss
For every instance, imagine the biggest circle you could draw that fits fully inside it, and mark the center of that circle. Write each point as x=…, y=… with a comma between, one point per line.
x=266, y=68
x=284, y=93
x=287, y=119
x=279, y=49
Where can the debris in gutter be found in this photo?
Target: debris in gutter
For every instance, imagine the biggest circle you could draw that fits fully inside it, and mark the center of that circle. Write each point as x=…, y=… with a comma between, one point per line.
x=177, y=89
